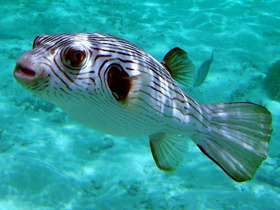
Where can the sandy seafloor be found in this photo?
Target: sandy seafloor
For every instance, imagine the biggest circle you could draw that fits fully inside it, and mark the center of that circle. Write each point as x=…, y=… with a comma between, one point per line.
x=50, y=161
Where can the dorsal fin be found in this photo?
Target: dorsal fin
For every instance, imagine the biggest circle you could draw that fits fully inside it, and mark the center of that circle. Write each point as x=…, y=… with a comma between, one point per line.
x=180, y=66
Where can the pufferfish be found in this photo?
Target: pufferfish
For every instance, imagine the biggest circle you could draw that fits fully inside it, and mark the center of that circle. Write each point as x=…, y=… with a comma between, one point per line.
x=112, y=86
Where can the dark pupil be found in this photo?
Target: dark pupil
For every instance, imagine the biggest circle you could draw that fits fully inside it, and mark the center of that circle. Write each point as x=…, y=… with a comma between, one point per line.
x=78, y=56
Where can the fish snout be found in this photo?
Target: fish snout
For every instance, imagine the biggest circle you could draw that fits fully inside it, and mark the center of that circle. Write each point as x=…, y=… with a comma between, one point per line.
x=24, y=72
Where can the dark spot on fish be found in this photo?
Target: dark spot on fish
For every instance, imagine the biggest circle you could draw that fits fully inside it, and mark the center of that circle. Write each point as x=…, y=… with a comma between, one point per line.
x=118, y=81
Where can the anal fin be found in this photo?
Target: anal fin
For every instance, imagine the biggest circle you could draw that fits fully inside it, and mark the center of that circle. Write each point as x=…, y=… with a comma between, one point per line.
x=168, y=150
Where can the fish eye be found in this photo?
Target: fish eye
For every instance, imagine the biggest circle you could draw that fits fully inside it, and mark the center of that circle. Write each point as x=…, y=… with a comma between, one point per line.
x=74, y=57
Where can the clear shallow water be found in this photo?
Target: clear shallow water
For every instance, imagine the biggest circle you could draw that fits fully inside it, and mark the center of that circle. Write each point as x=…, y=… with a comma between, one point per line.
x=50, y=161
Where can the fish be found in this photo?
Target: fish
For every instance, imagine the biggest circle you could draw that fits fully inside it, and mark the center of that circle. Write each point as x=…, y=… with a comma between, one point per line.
x=271, y=82
x=203, y=71
x=111, y=85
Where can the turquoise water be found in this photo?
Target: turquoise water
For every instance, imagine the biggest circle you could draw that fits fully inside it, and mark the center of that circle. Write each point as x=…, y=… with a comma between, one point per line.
x=50, y=161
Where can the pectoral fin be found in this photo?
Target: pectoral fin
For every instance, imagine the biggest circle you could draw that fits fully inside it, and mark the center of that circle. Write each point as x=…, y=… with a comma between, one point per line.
x=168, y=150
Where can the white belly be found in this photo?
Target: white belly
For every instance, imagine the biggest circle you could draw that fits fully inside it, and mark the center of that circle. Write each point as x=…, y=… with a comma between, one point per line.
x=113, y=118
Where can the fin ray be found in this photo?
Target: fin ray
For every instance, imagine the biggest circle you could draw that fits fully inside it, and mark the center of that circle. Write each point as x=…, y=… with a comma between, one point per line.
x=238, y=146
x=168, y=150
x=180, y=66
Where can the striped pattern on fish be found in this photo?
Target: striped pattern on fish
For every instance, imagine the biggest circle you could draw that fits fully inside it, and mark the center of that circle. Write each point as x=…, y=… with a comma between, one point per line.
x=113, y=86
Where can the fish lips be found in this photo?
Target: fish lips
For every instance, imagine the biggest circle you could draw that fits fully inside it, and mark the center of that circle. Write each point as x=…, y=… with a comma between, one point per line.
x=26, y=73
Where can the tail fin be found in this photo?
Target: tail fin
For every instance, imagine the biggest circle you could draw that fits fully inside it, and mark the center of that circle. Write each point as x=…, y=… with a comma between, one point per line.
x=238, y=138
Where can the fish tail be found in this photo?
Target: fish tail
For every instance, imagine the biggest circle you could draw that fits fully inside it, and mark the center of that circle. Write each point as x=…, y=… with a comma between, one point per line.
x=237, y=138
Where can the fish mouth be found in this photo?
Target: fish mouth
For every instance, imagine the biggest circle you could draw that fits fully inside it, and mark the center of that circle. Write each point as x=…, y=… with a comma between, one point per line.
x=23, y=74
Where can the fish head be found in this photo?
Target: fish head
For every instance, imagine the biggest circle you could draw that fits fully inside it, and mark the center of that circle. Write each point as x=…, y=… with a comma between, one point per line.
x=71, y=66
x=55, y=63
